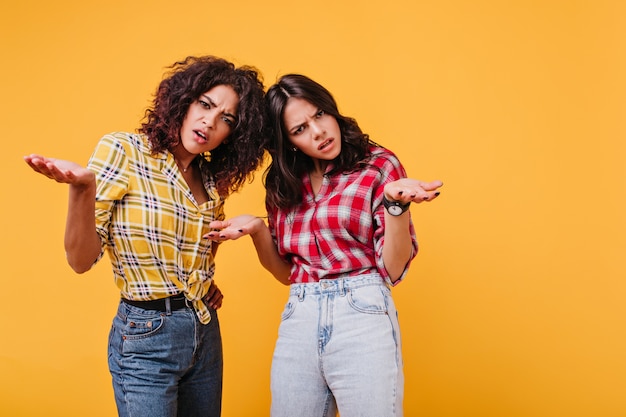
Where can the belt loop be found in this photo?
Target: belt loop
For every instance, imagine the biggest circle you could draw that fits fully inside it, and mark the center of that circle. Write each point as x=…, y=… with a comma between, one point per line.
x=168, y=306
x=342, y=287
x=301, y=293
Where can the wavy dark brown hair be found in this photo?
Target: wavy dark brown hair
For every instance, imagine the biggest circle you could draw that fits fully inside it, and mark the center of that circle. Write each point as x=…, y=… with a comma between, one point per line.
x=283, y=177
x=234, y=160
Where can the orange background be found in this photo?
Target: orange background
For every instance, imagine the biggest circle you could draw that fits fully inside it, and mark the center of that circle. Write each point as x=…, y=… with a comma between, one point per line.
x=515, y=305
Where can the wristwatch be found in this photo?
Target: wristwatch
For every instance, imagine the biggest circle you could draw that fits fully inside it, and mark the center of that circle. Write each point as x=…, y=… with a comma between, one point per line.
x=395, y=208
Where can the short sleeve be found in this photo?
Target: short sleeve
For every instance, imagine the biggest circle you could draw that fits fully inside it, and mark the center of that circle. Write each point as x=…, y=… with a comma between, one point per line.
x=109, y=162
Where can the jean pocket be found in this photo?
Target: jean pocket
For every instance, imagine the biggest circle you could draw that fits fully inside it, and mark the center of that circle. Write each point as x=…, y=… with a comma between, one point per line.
x=369, y=299
x=290, y=307
x=142, y=326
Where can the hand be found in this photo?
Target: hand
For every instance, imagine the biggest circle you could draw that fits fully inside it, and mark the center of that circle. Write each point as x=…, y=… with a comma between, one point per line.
x=408, y=190
x=213, y=298
x=233, y=229
x=66, y=172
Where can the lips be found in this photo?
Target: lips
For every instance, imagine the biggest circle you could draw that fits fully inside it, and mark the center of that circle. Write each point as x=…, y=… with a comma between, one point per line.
x=200, y=135
x=325, y=144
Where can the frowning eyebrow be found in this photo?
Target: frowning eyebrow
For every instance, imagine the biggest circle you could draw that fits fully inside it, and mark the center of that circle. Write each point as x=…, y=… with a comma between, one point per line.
x=299, y=124
x=212, y=103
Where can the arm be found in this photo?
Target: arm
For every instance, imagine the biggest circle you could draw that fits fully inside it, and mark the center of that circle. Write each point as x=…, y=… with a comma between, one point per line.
x=265, y=247
x=82, y=243
x=398, y=247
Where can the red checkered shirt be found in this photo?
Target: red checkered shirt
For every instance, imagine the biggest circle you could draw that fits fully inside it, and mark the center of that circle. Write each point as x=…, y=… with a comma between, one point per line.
x=339, y=232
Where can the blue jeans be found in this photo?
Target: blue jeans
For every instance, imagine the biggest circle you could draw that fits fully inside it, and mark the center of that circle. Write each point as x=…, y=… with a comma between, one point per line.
x=338, y=349
x=165, y=364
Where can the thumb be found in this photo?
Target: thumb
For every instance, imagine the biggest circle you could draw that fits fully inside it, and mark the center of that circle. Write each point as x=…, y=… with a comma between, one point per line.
x=433, y=185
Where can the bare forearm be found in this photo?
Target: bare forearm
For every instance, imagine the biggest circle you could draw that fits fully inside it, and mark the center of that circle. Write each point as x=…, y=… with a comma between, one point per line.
x=82, y=243
x=269, y=257
x=398, y=246
x=255, y=227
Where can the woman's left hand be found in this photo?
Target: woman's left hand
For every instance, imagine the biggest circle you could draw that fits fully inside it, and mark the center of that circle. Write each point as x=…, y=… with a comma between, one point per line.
x=234, y=228
x=213, y=297
x=408, y=190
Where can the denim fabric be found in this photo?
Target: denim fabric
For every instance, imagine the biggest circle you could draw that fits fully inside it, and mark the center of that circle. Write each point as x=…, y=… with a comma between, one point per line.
x=165, y=365
x=338, y=349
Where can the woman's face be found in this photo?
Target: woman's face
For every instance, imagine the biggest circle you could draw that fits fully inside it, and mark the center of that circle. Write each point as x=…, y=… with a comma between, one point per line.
x=312, y=131
x=209, y=120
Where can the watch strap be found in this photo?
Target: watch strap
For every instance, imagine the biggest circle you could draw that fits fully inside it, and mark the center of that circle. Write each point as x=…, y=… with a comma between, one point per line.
x=389, y=203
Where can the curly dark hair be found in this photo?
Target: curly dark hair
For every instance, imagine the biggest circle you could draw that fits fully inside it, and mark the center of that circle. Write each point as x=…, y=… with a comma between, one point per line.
x=283, y=177
x=236, y=159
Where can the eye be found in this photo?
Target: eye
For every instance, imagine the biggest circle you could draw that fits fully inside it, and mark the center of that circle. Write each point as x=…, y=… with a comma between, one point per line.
x=298, y=130
x=320, y=113
x=204, y=104
x=230, y=122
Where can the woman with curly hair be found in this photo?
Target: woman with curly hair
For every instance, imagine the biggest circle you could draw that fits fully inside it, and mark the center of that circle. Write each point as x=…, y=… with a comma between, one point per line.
x=155, y=193
x=340, y=234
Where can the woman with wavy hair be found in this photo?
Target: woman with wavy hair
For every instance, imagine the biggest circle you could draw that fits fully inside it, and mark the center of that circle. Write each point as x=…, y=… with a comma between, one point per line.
x=340, y=234
x=155, y=193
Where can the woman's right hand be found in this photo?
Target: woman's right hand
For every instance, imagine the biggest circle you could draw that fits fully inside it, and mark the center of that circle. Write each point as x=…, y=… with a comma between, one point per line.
x=61, y=171
x=82, y=242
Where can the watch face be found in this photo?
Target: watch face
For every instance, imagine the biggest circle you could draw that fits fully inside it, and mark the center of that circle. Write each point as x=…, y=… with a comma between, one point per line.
x=394, y=210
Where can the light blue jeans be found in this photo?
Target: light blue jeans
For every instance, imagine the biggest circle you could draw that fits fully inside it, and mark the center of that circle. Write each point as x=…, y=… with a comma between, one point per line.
x=165, y=365
x=338, y=349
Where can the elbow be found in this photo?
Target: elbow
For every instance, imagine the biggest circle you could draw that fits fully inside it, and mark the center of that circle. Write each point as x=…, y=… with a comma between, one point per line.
x=395, y=277
x=80, y=269
x=280, y=270
x=80, y=266
x=284, y=274
x=81, y=257
x=282, y=277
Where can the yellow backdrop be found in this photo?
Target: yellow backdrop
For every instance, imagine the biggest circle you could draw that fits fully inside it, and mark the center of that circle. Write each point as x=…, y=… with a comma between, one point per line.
x=515, y=305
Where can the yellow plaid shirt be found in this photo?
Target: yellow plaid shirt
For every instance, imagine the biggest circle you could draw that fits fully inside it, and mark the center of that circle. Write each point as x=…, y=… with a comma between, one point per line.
x=150, y=225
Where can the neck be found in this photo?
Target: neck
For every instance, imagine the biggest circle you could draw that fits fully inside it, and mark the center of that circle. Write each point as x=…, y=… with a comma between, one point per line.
x=184, y=165
x=319, y=168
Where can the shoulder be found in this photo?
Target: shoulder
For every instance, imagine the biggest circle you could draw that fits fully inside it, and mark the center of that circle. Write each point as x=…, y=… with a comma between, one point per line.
x=382, y=157
x=135, y=140
x=130, y=143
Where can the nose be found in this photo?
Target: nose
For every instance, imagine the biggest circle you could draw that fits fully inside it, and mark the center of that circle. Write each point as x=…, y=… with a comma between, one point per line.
x=317, y=130
x=208, y=118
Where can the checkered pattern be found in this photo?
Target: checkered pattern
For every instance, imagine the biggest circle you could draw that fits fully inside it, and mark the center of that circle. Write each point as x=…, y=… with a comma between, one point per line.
x=150, y=224
x=339, y=232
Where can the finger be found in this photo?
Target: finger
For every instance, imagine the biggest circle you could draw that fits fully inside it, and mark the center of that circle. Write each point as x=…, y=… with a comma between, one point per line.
x=52, y=169
x=413, y=193
x=214, y=300
x=432, y=195
x=431, y=186
x=37, y=164
x=216, y=297
x=245, y=229
x=220, y=234
x=211, y=290
x=426, y=196
x=218, y=224
x=230, y=234
x=213, y=236
x=217, y=303
x=396, y=192
x=433, y=190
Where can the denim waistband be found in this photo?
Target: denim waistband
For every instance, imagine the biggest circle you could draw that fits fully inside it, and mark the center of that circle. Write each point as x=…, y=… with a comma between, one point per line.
x=337, y=285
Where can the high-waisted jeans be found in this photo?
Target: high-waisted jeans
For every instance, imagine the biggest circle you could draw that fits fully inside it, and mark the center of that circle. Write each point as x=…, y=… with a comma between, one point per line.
x=165, y=364
x=338, y=349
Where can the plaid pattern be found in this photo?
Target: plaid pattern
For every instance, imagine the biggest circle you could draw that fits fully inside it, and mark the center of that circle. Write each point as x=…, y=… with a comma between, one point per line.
x=150, y=224
x=340, y=232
